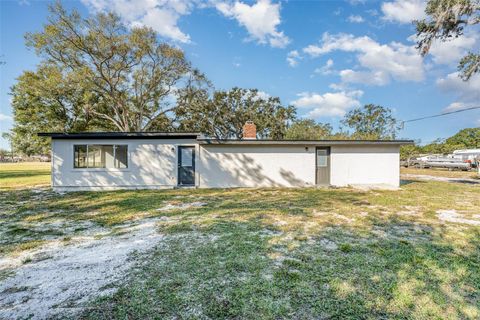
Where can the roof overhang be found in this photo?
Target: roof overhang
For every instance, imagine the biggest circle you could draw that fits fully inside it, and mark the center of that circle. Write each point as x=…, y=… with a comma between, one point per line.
x=303, y=142
x=207, y=141
x=121, y=135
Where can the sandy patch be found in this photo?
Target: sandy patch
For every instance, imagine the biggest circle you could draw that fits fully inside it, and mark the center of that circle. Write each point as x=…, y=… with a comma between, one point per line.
x=436, y=178
x=455, y=217
x=328, y=244
x=180, y=205
x=332, y=214
x=59, y=278
x=409, y=211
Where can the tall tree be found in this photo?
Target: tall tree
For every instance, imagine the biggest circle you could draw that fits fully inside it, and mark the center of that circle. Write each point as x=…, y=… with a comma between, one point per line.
x=308, y=129
x=127, y=75
x=46, y=100
x=447, y=19
x=468, y=138
x=371, y=122
x=409, y=151
x=223, y=113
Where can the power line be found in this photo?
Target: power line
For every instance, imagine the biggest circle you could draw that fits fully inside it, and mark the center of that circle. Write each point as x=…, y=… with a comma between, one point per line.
x=440, y=114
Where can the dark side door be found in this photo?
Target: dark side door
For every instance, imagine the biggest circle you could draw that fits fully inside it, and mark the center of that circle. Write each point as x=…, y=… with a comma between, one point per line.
x=186, y=166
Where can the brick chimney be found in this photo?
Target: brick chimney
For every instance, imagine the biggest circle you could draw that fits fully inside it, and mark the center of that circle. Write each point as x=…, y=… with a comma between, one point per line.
x=249, y=131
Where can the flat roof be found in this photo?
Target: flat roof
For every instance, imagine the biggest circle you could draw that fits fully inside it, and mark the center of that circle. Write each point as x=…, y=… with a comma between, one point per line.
x=212, y=141
x=303, y=142
x=121, y=135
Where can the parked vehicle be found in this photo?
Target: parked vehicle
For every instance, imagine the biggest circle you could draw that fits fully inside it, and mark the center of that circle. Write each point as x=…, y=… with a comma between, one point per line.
x=435, y=161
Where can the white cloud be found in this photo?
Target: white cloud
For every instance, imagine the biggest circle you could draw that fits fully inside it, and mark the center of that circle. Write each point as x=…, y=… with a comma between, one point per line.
x=381, y=62
x=377, y=78
x=326, y=69
x=450, y=52
x=328, y=104
x=355, y=19
x=465, y=92
x=404, y=11
x=5, y=117
x=160, y=15
x=355, y=2
x=293, y=57
x=455, y=106
x=263, y=95
x=337, y=86
x=260, y=19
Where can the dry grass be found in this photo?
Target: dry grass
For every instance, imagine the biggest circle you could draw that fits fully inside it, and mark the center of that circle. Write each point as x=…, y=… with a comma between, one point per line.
x=276, y=253
x=440, y=173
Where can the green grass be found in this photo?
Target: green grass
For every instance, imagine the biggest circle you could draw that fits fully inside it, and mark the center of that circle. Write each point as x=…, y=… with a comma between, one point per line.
x=276, y=253
x=439, y=172
x=24, y=174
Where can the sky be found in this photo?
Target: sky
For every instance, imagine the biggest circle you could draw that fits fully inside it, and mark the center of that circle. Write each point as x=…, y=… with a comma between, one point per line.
x=324, y=57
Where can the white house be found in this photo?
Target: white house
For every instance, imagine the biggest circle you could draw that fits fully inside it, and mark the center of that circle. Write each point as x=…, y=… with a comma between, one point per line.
x=151, y=160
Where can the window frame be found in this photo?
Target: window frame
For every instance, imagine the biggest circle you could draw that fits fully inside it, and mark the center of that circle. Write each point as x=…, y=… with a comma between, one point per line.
x=114, y=147
x=323, y=156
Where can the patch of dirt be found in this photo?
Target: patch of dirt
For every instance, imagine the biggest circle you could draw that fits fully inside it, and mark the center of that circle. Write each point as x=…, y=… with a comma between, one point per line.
x=409, y=211
x=335, y=215
x=328, y=244
x=455, y=217
x=181, y=205
x=69, y=275
x=436, y=178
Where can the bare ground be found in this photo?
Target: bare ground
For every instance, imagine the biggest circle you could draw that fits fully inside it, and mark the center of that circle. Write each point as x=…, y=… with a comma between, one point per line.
x=58, y=278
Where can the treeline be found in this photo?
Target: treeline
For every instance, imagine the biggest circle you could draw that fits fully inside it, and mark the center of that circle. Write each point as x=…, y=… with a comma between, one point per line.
x=468, y=138
x=95, y=74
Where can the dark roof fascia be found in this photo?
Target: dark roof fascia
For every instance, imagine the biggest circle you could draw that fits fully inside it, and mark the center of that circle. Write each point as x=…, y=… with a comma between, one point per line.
x=303, y=142
x=121, y=135
x=197, y=136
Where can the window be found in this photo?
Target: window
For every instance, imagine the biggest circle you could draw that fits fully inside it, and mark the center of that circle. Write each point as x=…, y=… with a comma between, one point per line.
x=322, y=158
x=100, y=156
x=121, y=158
x=187, y=157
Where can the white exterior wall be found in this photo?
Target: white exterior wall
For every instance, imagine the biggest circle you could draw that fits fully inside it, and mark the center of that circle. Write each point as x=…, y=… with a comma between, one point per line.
x=225, y=166
x=151, y=164
x=365, y=165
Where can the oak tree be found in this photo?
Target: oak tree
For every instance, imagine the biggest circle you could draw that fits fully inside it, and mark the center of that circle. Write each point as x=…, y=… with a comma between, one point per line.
x=448, y=19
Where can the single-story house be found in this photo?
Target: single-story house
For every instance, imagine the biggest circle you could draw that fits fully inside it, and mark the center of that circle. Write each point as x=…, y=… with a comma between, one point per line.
x=154, y=160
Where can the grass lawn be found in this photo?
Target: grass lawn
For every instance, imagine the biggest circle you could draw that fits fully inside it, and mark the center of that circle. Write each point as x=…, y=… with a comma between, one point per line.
x=24, y=174
x=438, y=172
x=270, y=253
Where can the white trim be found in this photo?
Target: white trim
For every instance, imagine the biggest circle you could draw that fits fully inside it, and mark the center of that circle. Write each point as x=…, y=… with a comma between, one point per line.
x=52, y=165
x=73, y=169
x=100, y=169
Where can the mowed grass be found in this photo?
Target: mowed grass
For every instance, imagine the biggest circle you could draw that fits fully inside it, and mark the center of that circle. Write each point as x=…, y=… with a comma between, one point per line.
x=275, y=253
x=439, y=172
x=24, y=174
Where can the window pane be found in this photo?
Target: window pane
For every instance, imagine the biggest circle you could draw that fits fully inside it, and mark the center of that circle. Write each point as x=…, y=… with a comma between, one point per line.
x=107, y=155
x=95, y=158
x=121, y=156
x=321, y=158
x=187, y=157
x=80, y=156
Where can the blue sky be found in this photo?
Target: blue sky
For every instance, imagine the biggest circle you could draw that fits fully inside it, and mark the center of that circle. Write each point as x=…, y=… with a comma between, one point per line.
x=324, y=57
